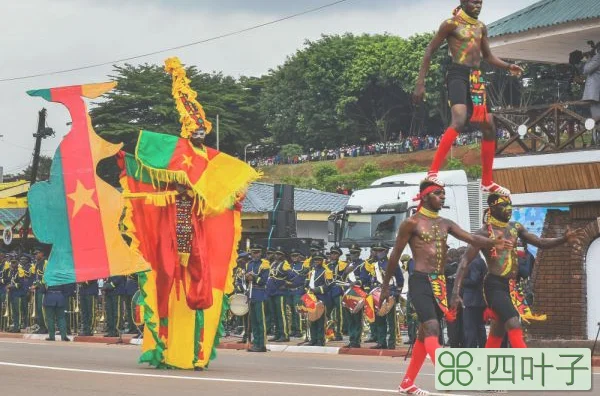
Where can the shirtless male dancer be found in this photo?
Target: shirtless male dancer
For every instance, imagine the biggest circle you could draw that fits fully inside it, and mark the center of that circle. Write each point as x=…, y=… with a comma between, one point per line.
x=426, y=234
x=502, y=271
x=468, y=44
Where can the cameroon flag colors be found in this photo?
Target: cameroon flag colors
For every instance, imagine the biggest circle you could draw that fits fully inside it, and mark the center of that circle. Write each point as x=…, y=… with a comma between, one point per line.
x=76, y=211
x=177, y=335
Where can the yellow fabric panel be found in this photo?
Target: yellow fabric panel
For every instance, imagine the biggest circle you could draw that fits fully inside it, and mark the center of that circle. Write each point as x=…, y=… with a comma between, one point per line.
x=212, y=318
x=223, y=181
x=182, y=320
x=150, y=290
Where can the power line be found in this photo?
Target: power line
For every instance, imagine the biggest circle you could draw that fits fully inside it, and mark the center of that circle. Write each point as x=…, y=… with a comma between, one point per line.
x=179, y=46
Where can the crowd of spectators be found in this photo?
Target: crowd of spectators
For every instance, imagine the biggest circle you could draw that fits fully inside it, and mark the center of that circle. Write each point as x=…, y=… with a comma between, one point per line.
x=400, y=146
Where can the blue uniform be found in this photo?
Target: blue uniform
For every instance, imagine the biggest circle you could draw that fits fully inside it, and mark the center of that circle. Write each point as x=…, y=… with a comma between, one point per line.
x=387, y=324
x=55, y=302
x=323, y=278
x=260, y=269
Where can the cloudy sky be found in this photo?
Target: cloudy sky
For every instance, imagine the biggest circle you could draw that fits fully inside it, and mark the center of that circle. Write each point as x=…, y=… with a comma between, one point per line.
x=42, y=36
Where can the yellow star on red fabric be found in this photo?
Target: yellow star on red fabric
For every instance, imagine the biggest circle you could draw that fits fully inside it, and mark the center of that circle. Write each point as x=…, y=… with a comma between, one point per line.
x=82, y=197
x=187, y=161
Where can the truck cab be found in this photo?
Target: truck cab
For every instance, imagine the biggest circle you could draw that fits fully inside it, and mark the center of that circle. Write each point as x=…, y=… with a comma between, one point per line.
x=374, y=214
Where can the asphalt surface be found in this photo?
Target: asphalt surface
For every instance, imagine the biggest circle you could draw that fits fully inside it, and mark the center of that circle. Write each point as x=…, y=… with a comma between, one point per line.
x=60, y=368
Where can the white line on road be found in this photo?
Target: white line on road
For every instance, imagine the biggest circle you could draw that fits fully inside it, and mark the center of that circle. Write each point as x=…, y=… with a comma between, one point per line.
x=362, y=371
x=33, y=366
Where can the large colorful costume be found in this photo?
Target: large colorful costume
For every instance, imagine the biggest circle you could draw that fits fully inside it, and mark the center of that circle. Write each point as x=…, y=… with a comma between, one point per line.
x=189, y=237
x=76, y=211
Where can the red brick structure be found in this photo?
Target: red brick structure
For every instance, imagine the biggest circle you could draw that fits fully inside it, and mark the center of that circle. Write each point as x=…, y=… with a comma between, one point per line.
x=560, y=278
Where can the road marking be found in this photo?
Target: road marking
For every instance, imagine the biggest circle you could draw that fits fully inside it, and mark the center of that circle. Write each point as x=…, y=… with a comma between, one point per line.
x=164, y=376
x=362, y=371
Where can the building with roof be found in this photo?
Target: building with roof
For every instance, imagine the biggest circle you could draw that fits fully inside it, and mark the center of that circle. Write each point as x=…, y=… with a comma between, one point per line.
x=564, y=184
x=13, y=205
x=546, y=31
x=312, y=207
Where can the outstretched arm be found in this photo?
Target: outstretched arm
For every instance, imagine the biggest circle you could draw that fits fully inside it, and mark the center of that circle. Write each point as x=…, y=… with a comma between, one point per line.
x=573, y=237
x=493, y=59
x=478, y=241
x=446, y=28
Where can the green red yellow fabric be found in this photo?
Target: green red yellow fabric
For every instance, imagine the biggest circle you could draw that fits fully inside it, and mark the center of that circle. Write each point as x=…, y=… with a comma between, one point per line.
x=76, y=211
x=440, y=293
x=183, y=300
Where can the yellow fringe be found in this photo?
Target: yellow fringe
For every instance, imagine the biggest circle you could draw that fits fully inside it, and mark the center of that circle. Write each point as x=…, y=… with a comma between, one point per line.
x=128, y=220
x=529, y=316
x=162, y=198
x=184, y=258
x=181, y=87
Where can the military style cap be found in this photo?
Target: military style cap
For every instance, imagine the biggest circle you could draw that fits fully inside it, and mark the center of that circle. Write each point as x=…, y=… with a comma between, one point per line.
x=380, y=246
x=319, y=255
x=336, y=249
x=255, y=247
x=243, y=254
x=280, y=250
x=294, y=251
x=355, y=248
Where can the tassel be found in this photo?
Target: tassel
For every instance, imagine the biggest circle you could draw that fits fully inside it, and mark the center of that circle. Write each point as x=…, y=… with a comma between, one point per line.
x=450, y=315
x=529, y=316
x=480, y=113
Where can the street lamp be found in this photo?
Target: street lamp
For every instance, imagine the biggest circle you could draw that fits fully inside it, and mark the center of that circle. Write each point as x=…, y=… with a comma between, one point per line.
x=246, y=148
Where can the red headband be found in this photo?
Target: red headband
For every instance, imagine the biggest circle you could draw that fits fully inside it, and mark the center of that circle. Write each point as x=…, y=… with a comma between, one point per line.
x=425, y=192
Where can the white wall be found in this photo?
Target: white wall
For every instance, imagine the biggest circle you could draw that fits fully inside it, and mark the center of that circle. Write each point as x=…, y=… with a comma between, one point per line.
x=592, y=268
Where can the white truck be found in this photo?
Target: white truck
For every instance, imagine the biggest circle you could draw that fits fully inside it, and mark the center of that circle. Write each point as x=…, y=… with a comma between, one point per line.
x=374, y=214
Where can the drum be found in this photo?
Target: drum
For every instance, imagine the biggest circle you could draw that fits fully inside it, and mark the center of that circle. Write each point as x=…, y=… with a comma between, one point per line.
x=382, y=308
x=354, y=299
x=312, y=307
x=238, y=304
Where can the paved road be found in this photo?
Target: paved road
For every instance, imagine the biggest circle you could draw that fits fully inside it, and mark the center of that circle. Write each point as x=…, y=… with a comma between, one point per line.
x=76, y=369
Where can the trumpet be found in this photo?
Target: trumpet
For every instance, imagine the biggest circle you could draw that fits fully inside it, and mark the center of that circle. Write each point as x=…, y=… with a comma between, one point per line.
x=33, y=314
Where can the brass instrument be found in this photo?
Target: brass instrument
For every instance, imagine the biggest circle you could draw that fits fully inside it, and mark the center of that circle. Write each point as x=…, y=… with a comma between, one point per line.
x=6, y=313
x=77, y=300
x=33, y=314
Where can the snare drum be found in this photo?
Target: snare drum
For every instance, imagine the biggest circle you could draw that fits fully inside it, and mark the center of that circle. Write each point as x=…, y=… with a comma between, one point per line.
x=238, y=304
x=312, y=307
x=382, y=308
x=354, y=299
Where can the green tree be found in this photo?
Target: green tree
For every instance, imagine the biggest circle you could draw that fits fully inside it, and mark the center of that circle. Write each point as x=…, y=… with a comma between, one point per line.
x=43, y=172
x=142, y=100
x=342, y=89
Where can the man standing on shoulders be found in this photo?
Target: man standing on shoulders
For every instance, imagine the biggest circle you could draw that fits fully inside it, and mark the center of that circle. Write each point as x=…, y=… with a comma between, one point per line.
x=426, y=233
x=467, y=39
x=500, y=283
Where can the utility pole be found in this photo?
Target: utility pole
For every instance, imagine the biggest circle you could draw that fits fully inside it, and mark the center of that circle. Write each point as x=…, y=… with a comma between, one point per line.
x=42, y=133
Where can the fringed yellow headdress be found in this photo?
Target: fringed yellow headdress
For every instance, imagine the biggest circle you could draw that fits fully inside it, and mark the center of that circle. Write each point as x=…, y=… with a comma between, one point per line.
x=191, y=113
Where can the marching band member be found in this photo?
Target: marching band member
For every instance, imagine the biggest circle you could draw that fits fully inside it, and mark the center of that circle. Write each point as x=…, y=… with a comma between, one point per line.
x=257, y=275
x=239, y=287
x=276, y=290
x=386, y=325
x=38, y=289
x=337, y=267
x=359, y=275
x=15, y=279
x=88, y=292
x=296, y=282
x=319, y=283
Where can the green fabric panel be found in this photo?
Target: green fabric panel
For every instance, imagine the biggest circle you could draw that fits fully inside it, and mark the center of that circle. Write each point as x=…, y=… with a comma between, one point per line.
x=135, y=171
x=43, y=93
x=50, y=223
x=156, y=149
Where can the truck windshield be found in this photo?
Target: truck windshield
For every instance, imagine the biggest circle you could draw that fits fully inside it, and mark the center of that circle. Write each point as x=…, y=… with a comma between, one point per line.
x=367, y=227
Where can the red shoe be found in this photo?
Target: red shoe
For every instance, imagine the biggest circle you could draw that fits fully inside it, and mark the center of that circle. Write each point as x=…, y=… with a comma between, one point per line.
x=495, y=189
